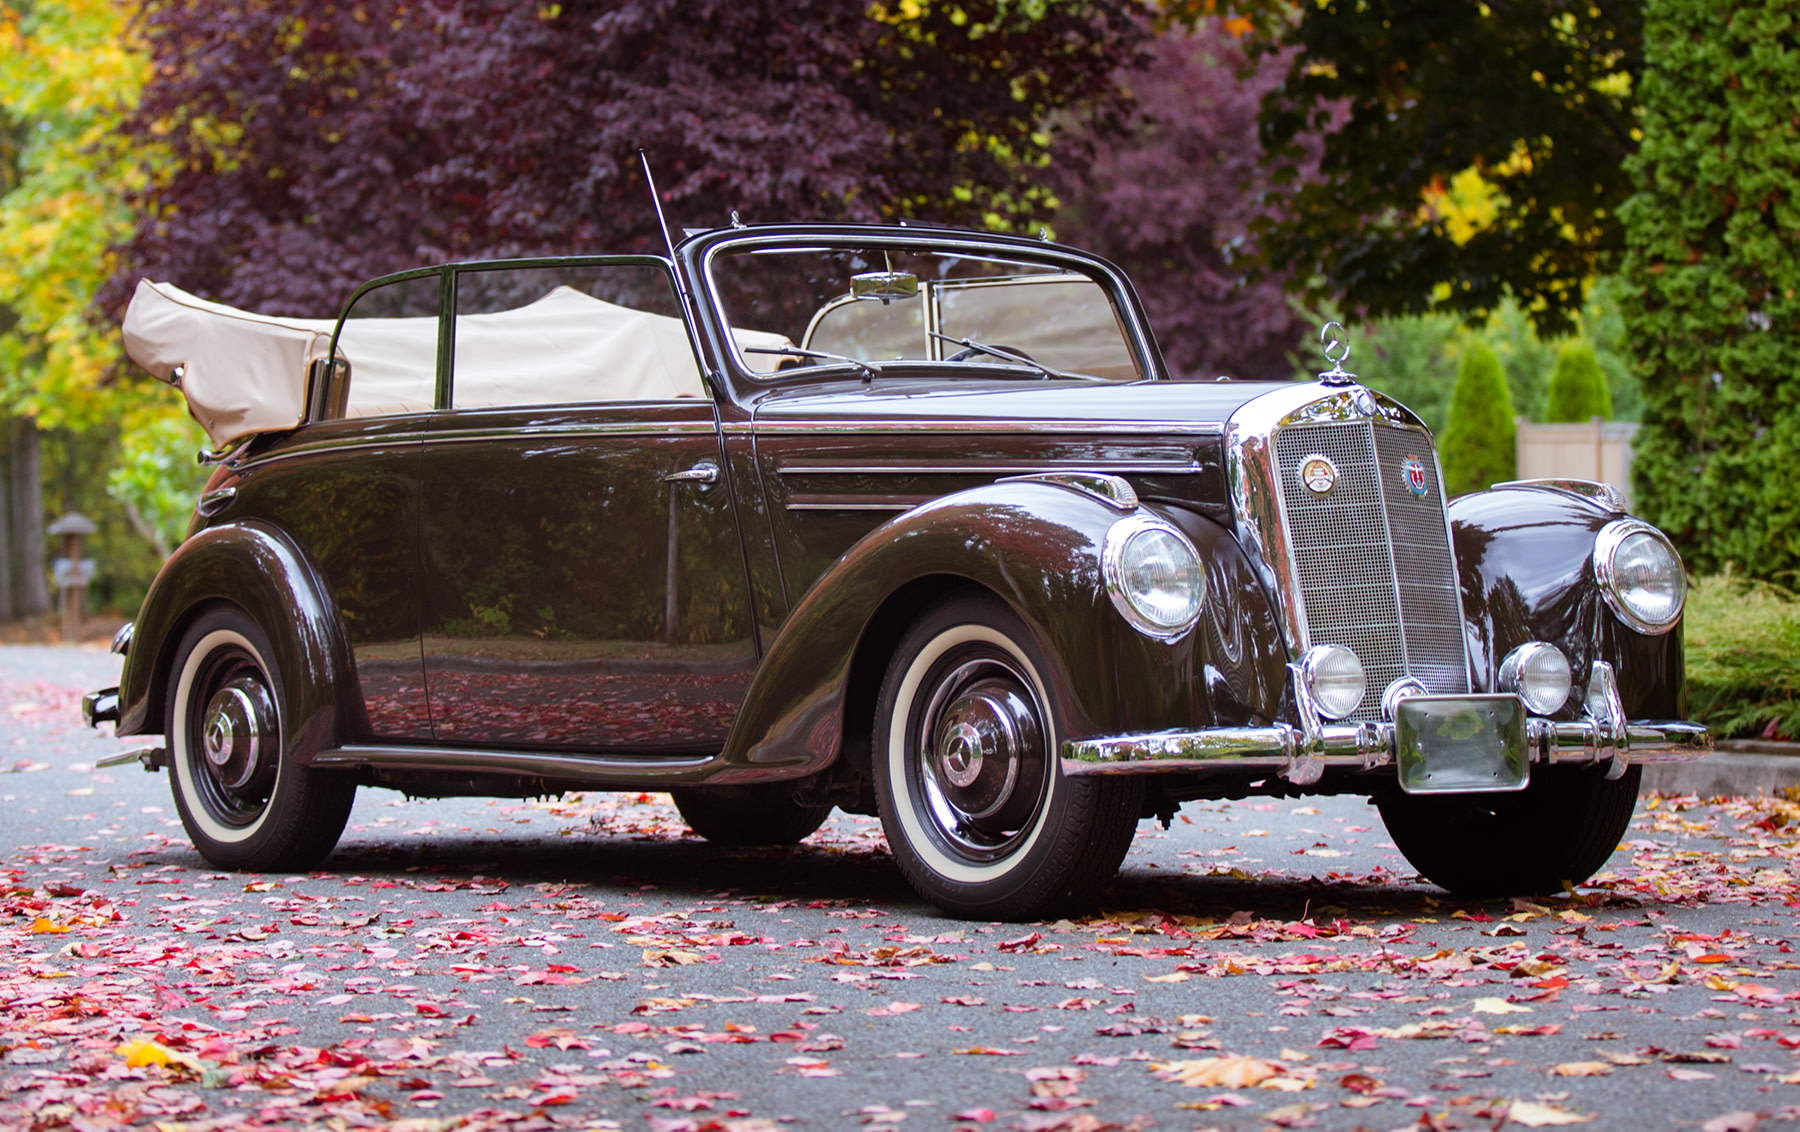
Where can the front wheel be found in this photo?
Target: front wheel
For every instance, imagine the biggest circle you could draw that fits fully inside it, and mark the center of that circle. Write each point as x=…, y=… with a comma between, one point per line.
x=1557, y=831
x=968, y=779
x=243, y=801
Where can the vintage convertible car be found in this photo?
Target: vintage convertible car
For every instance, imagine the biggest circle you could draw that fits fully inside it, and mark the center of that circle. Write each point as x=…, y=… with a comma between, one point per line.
x=909, y=521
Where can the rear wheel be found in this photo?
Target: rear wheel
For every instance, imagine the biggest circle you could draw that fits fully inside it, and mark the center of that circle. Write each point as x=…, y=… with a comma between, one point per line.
x=243, y=801
x=968, y=779
x=747, y=815
x=1557, y=831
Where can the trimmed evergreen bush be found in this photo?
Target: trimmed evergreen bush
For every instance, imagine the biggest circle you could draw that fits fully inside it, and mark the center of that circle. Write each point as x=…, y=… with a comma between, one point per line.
x=1577, y=387
x=1742, y=637
x=1712, y=269
x=1478, y=447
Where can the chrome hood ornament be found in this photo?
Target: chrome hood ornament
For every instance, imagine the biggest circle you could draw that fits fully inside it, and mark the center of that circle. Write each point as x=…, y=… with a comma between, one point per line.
x=1335, y=341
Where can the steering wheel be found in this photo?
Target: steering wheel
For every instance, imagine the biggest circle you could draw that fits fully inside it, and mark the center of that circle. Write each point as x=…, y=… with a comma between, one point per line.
x=968, y=352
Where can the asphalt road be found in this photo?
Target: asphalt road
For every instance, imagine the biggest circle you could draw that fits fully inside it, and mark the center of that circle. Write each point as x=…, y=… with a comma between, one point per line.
x=585, y=963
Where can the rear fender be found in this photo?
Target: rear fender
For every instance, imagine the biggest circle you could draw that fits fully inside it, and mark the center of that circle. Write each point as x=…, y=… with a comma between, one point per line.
x=261, y=571
x=1035, y=546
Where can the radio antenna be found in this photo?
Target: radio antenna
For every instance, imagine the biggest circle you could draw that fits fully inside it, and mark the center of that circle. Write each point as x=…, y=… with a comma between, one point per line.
x=656, y=200
x=681, y=290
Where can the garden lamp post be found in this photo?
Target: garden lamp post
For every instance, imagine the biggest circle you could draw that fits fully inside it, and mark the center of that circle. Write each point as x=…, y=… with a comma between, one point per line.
x=72, y=572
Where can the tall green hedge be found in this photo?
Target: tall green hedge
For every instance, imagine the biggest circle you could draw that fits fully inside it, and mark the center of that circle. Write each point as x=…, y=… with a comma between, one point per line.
x=1577, y=386
x=1478, y=445
x=1712, y=269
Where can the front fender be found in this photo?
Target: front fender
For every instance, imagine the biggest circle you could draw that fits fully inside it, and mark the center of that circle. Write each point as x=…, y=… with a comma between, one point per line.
x=259, y=570
x=1037, y=547
x=1526, y=558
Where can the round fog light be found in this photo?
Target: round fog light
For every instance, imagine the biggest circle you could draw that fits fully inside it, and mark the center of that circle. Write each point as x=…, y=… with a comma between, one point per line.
x=1335, y=678
x=1537, y=673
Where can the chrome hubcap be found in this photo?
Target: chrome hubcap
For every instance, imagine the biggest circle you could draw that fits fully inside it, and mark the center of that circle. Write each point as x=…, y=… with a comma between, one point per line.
x=238, y=734
x=983, y=757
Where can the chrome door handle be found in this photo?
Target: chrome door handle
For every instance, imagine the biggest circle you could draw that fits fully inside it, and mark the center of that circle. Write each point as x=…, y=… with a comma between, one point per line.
x=705, y=472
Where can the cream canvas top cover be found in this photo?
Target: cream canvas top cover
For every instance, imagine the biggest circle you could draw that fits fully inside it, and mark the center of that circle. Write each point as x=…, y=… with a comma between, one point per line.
x=245, y=373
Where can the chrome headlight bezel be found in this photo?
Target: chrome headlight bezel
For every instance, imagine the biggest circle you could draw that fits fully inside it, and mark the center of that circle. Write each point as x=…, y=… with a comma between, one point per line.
x=1313, y=666
x=1608, y=544
x=1113, y=568
x=1525, y=670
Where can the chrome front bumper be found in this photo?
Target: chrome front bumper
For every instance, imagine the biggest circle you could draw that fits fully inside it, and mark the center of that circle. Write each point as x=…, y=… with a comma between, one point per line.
x=1301, y=754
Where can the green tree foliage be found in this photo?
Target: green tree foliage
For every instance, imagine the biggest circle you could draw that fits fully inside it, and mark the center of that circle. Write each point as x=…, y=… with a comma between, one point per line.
x=1471, y=151
x=69, y=74
x=1478, y=448
x=1415, y=358
x=1577, y=387
x=1713, y=271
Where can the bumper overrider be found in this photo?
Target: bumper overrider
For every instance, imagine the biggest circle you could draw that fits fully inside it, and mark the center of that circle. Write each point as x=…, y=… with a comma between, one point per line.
x=1436, y=744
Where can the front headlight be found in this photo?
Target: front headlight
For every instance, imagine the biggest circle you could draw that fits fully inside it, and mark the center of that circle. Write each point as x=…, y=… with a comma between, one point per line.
x=1640, y=574
x=1154, y=577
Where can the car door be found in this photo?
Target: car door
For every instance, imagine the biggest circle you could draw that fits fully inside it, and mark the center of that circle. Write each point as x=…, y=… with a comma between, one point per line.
x=346, y=488
x=584, y=580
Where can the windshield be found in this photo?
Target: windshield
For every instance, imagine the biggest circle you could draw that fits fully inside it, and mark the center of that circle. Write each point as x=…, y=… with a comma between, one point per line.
x=880, y=308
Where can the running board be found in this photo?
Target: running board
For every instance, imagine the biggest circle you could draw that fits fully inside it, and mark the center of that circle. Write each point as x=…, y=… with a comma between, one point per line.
x=603, y=771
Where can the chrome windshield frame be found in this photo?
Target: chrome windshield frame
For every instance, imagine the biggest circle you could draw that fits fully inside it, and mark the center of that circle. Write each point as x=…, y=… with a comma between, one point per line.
x=698, y=256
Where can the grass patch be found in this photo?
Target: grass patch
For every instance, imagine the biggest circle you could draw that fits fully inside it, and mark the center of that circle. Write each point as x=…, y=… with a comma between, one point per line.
x=1743, y=638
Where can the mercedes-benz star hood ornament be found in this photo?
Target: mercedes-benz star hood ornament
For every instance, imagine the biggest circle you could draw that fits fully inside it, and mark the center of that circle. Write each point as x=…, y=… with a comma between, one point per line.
x=1335, y=341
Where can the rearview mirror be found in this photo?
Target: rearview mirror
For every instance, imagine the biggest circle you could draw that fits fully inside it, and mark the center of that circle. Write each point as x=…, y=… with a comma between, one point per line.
x=884, y=285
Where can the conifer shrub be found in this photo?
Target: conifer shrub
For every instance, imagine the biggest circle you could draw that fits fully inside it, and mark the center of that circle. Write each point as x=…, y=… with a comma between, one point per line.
x=1712, y=273
x=1577, y=386
x=1477, y=447
x=1742, y=637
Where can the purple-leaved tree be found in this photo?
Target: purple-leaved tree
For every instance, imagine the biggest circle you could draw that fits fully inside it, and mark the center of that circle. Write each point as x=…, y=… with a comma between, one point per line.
x=1174, y=197
x=317, y=144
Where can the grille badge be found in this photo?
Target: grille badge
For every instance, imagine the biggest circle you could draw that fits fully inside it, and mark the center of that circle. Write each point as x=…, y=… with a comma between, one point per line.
x=1318, y=474
x=1412, y=470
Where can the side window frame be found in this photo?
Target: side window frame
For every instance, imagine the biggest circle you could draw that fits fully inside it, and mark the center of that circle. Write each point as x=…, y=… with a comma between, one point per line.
x=323, y=392
x=446, y=396
x=321, y=380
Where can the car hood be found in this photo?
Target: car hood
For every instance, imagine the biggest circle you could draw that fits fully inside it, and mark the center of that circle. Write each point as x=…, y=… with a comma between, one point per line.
x=1167, y=406
x=890, y=444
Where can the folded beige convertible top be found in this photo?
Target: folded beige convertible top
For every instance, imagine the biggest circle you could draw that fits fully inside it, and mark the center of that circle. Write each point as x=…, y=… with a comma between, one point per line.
x=245, y=373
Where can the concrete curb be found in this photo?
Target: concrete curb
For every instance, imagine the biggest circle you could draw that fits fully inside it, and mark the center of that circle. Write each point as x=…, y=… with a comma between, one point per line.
x=1726, y=772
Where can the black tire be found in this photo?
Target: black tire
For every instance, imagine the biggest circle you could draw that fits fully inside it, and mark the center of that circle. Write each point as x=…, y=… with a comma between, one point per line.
x=747, y=815
x=1556, y=832
x=244, y=802
x=979, y=816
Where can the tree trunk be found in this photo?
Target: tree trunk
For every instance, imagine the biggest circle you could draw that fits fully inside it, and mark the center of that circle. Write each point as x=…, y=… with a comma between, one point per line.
x=24, y=585
x=31, y=583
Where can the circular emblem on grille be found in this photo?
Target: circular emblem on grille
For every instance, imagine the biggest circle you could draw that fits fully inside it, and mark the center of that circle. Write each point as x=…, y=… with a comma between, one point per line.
x=1318, y=473
x=1413, y=471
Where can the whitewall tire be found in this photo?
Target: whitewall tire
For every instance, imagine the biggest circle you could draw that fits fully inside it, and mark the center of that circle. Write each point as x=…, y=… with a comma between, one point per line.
x=968, y=778
x=243, y=801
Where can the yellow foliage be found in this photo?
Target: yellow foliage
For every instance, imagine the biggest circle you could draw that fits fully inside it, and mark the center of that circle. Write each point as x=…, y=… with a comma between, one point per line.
x=140, y=1052
x=1467, y=205
x=68, y=74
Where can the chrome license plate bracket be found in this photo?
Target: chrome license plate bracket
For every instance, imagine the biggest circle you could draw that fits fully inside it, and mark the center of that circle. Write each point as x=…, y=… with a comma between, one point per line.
x=1461, y=744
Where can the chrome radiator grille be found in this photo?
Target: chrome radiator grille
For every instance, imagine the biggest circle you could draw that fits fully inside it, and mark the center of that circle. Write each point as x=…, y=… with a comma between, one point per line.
x=1373, y=559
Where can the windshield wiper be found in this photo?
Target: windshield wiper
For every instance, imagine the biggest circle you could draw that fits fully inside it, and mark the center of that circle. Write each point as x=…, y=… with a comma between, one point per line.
x=867, y=369
x=970, y=346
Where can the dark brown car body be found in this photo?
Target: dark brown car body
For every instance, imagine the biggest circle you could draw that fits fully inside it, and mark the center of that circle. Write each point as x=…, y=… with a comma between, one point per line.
x=520, y=601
